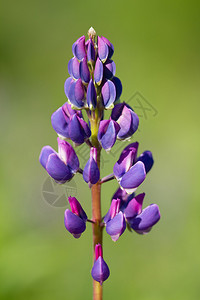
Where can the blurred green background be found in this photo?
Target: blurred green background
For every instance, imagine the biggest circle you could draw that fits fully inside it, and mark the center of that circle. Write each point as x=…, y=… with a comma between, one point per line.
x=157, y=50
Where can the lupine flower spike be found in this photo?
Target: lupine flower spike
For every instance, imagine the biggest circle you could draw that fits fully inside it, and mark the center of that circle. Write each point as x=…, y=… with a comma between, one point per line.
x=92, y=86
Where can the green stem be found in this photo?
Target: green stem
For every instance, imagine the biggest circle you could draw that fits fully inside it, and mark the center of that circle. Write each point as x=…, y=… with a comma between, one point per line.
x=96, y=206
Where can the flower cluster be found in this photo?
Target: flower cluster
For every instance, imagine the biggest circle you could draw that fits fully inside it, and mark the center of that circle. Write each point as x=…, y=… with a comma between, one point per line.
x=93, y=87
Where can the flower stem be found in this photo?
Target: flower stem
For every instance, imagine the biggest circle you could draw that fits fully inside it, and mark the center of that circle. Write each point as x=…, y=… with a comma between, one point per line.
x=96, y=209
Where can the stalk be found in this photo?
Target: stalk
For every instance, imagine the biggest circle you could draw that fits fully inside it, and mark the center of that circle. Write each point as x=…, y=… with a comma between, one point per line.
x=96, y=206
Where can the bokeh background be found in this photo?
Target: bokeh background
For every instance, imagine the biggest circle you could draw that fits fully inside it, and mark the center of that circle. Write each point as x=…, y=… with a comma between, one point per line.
x=157, y=50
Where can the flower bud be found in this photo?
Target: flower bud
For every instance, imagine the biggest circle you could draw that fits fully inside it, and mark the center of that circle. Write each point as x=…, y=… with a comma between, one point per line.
x=91, y=96
x=79, y=130
x=107, y=134
x=100, y=271
x=91, y=173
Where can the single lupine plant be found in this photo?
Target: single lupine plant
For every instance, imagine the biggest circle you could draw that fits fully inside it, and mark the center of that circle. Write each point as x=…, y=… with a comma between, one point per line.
x=93, y=87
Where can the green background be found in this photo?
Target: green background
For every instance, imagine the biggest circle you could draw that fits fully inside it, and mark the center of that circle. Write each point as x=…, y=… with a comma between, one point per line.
x=157, y=50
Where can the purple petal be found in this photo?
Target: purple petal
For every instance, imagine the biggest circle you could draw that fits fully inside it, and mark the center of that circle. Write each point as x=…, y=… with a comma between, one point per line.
x=100, y=271
x=133, y=178
x=109, y=138
x=79, y=48
x=116, y=226
x=57, y=169
x=68, y=155
x=77, y=208
x=91, y=173
x=134, y=206
x=74, y=224
x=77, y=132
x=98, y=71
x=90, y=51
x=76, y=94
x=68, y=111
x=98, y=251
x=144, y=222
x=59, y=123
x=113, y=210
x=118, y=87
x=91, y=95
x=84, y=71
x=147, y=159
x=108, y=92
x=110, y=46
x=102, y=128
x=73, y=68
x=109, y=69
x=67, y=85
x=44, y=155
x=102, y=49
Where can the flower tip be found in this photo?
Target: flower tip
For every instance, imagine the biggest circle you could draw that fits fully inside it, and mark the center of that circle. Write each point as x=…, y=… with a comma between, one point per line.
x=91, y=33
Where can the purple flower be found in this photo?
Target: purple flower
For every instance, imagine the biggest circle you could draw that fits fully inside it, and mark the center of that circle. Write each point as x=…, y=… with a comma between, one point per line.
x=60, y=166
x=61, y=117
x=90, y=51
x=84, y=71
x=100, y=271
x=75, y=220
x=129, y=170
x=91, y=173
x=75, y=92
x=107, y=134
x=78, y=130
x=73, y=68
x=141, y=220
x=110, y=46
x=118, y=87
x=98, y=72
x=124, y=198
x=103, y=49
x=108, y=92
x=109, y=69
x=115, y=220
x=79, y=49
x=128, y=120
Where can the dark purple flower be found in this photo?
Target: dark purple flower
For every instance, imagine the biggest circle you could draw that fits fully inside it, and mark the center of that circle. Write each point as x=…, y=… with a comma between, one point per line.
x=108, y=92
x=115, y=220
x=118, y=87
x=90, y=51
x=110, y=46
x=61, y=117
x=100, y=271
x=79, y=49
x=91, y=173
x=141, y=220
x=124, y=197
x=78, y=130
x=126, y=118
x=60, y=166
x=75, y=220
x=75, y=92
x=107, y=134
x=91, y=96
x=147, y=159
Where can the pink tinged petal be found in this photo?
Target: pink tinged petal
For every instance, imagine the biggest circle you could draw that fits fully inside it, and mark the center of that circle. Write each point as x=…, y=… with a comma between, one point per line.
x=77, y=208
x=134, y=207
x=68, y=111
x=118, y=86
x=102, y=128
x=121, y=194
x=87, y=131
x=98, y=251
x=116, y=226
x=98, y=72
x=102, y=49
x=68, y=155
x=123, y=164
x=67, y=85
x=144, y=221
x=91, y=95
x=90, y=51
x=79, y=49
x=133, y=178
x=74, y=224
x=147, y=158
x=76, y=94
x=128, y=122
x=108, y=92
x=59, y=122
x=84, y=71
x=109, y=69
x=110, y=46
x=44, y=155
x=73, y=68
x=133, y=148
x=57, y=169
x=113, y=210
x=100, y=271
